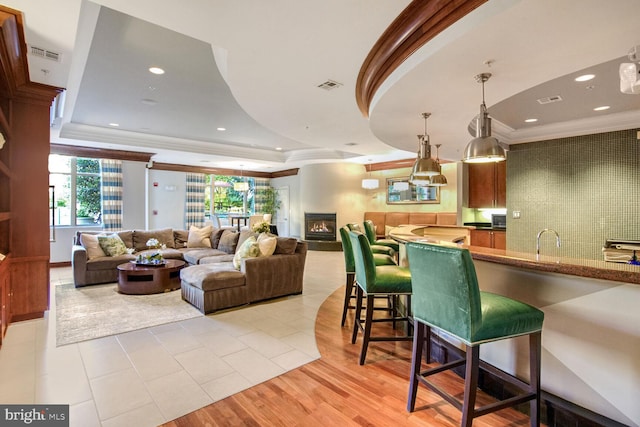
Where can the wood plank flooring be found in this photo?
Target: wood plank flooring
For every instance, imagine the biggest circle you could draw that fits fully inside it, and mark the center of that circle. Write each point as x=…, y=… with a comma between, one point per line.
x=336, y=391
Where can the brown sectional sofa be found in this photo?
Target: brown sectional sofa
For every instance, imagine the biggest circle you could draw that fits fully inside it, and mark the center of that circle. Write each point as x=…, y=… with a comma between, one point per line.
x=382, y=220
x=210, y=282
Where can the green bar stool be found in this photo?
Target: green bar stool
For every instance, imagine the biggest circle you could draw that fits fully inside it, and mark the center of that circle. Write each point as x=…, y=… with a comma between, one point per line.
x=350, y=267
x=446, y=296
x=370, y=232
x=376, y=249
x=385, y=280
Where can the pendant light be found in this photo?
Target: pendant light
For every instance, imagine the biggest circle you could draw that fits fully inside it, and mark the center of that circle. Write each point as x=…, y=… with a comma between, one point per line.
x=424, y=165
x=483, y=148
x=370, y=183
x=243, y=185
x=438, y=180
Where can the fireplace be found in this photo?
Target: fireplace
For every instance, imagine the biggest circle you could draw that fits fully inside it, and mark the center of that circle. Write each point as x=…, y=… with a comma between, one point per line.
x=320, y=226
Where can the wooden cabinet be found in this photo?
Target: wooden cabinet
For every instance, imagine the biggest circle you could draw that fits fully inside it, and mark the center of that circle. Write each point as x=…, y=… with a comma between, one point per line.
x=24, y=178
x=487, y=185
x=489, y=239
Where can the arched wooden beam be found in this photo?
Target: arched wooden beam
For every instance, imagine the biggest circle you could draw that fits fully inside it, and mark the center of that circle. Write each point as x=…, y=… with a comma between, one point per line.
x=418, y=23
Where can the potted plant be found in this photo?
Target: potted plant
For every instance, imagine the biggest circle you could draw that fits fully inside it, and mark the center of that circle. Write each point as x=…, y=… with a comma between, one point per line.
x=270, y=201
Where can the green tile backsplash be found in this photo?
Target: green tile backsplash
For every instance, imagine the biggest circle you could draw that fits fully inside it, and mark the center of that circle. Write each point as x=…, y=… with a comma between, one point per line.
x=587, y=188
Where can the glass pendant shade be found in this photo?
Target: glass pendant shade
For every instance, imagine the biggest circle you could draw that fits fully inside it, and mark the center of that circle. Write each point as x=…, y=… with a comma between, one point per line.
x=241, y=186
x=483, y=148
x=370, y=183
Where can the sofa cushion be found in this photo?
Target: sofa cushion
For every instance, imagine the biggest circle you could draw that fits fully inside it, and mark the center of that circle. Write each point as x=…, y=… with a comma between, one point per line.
x=228, y=241
x=166, y=253
x=267, y=244
x=193, y=256
x=112, y=245
x=212, y=276
x=127, y=237
x=180, y=238
x=214, y=259
x=199, y=237
x=248, y=249
x=286, y=245
x=91, y=245
x=108, y=262
x=164, y=236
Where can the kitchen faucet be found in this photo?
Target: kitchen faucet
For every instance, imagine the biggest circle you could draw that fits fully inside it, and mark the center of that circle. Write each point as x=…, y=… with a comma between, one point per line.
x=541, y=233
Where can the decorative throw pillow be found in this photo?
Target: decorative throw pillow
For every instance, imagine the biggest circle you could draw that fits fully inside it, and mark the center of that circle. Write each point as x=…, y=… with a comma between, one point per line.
x=199, y=237
x=248, y=249
x=181, y=237
x=90, y=243
x=228, y=241
x=267, y=244
x=112, y=245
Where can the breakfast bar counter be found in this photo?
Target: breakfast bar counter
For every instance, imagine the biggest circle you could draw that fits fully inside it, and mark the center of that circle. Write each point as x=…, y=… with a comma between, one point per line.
x=595, y=269
x=591, y=330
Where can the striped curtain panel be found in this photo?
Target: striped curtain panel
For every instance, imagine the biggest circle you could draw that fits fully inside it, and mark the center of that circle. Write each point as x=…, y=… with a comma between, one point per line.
x=111, y=194
x=194, y=205
x=259, y=185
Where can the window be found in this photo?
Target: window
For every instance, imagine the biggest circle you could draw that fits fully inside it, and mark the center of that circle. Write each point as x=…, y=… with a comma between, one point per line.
x=225, y=199
x=77, y=190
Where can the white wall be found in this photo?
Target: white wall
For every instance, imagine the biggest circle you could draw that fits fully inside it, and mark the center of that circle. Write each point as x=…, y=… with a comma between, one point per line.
x=293, y=183
x=332, y=187
x=166, y=198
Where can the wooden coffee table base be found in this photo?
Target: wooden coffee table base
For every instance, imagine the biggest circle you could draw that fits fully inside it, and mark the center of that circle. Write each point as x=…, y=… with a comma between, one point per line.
x=142, y=280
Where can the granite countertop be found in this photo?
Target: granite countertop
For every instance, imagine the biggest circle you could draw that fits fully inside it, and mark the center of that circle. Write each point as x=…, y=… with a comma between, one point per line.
x=595, y=269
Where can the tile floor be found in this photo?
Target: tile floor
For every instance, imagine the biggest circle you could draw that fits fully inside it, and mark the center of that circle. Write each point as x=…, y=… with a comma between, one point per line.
x=153, y=375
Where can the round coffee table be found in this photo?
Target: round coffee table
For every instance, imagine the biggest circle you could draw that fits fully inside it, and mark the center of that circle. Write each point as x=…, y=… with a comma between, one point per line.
x=134, y=279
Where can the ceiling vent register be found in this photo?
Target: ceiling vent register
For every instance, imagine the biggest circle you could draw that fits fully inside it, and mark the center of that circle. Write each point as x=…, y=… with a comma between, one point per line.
x=550, y=99
x=329, y=85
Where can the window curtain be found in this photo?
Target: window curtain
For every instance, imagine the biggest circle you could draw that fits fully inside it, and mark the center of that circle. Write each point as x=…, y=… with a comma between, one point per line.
x=194, y=204
x=259, y=185
x=111, y=194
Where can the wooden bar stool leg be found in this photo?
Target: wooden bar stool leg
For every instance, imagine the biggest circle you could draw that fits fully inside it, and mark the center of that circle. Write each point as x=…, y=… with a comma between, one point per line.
x=470, y=385
x=347, y=296
x=358, y=313
x=535, y=350
x=367, y=328
x=416, y=362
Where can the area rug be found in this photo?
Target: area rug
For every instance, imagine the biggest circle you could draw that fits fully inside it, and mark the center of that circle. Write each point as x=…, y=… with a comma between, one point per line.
x=99, y=310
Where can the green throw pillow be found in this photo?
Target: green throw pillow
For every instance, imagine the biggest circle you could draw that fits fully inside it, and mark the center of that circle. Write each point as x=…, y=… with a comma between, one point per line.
x=249, y=249
x=112, y=245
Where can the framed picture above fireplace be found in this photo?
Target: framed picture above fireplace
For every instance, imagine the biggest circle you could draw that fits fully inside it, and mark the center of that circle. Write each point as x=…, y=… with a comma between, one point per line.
x=401, y=192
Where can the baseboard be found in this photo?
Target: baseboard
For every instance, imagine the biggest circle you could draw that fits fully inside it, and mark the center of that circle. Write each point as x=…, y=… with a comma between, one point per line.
x=60, y=264
x=554, y=411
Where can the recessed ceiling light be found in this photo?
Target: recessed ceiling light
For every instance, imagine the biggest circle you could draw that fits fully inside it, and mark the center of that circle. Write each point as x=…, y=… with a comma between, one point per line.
x=221, y=129
x=279, y=148
x=115, y=125
x=604, y=107
x=531, y=120
x=584, y=77
x=156, y=70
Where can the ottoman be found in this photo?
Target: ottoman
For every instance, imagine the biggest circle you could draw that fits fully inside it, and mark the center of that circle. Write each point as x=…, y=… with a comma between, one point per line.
x=211, y=287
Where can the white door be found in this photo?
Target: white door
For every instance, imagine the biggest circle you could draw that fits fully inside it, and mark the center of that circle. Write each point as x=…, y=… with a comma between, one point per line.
x=282, y=215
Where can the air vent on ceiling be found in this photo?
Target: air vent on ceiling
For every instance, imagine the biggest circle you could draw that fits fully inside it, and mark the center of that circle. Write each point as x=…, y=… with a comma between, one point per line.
x=329, y=85
x=44, y=53
x=550, y=99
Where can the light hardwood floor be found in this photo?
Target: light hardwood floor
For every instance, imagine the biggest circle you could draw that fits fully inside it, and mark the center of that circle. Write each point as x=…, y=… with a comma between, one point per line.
x=336, y=391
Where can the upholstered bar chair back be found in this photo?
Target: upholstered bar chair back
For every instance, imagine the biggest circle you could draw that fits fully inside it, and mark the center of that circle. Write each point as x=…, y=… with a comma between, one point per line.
x=445, y=289
x=363, y=259
x=347, y=250
x=370, y=231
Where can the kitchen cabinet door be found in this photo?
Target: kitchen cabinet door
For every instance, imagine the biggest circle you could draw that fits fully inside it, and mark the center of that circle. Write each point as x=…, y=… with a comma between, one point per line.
x=487, y=185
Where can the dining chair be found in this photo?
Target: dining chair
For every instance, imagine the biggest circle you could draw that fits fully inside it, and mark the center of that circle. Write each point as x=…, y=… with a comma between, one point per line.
x=446, y=297
x=376, y=249
x=370, y=232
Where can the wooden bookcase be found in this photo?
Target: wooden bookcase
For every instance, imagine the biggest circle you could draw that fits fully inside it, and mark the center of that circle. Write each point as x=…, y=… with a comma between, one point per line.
x=24, y=179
